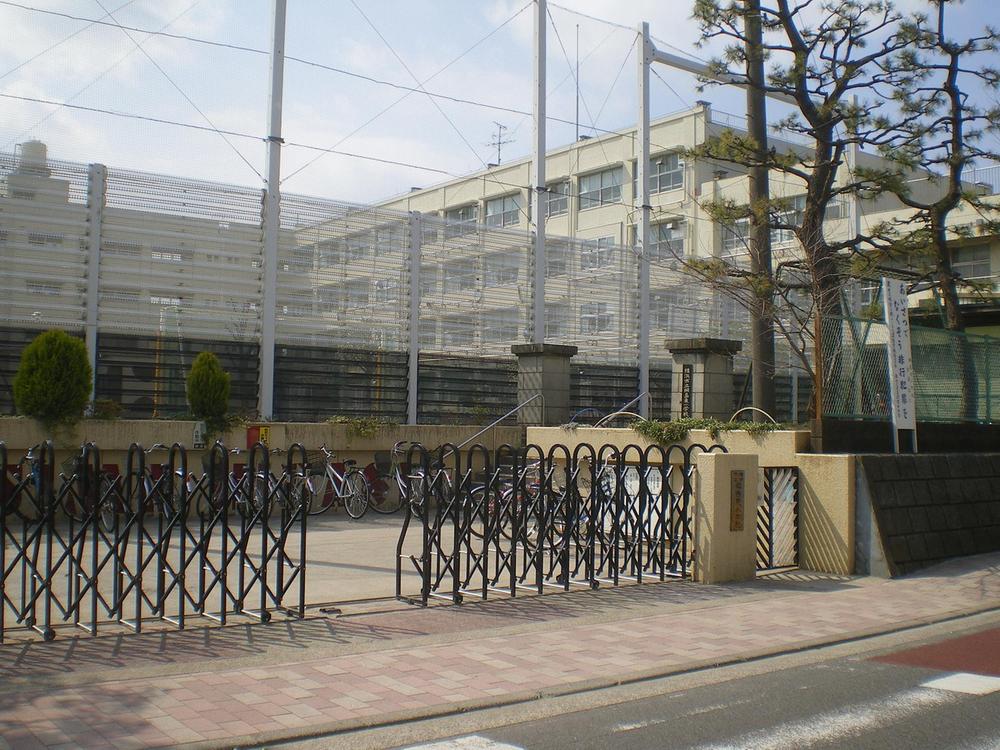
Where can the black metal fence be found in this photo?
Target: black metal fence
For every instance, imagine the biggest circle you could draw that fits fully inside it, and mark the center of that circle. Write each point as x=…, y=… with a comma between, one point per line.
x=86, y=547
x=523, y=519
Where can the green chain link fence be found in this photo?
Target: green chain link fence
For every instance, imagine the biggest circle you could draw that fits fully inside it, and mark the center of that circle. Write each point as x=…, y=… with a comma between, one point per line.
x=956, y=375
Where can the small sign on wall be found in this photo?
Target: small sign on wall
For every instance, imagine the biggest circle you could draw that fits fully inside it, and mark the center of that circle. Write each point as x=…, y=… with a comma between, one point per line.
x=198, y=437
x=737, y=493
x=258, y=434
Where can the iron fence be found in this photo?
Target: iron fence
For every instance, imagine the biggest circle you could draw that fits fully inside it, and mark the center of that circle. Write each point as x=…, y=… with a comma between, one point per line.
x=954, y=374
x=778, y=518
x=87, y=547
x=515, y=520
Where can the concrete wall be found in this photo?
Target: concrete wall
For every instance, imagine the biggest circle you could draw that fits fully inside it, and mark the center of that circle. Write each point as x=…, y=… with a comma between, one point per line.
x=114, y=437
x=826, y=512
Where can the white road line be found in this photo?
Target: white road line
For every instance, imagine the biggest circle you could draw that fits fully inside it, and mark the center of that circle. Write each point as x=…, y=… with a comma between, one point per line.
x=638, y=725
x=472, y=742
x=832, y=725
x=964, y=682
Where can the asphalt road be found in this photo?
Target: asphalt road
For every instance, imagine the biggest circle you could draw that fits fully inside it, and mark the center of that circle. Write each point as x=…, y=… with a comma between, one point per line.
x=874, y=699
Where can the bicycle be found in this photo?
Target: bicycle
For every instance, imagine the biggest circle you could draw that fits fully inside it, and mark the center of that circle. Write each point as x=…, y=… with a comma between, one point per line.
x=379, y=474
x=337, y=482
x=23, y=484
x=235, y=490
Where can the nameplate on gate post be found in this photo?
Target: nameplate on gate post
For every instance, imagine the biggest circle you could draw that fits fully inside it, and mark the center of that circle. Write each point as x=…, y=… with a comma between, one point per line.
x=737, y=485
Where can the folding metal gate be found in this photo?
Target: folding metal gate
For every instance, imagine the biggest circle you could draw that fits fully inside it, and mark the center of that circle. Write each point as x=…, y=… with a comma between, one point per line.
x=512, y=520
x=88, y=548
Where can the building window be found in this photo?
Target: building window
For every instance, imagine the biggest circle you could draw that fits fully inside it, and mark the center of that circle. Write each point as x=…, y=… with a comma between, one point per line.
x=172, y=301
x=557, y=198
x=601, y=188
x=386, y=290
x=673, y=310
x=297, y=307
x=597, y=253
x=595, y=317
x=556, y=319
x=328, y=298
x=665, y=173
x=357, y=247
x=357, y=293
x=500, y=326
x=42, y=238
x=556, y=258
x=502, y=269
x=428, y=280
x=428, y=334
x=503, y=212
x=735, y=238
x=456, y=333
x=972, y=262
x=114, y=247
x=835, y=209
x=793, y=216
x=44, y=288
x=459, y=276
x=167, y=255
x=461, y=220
x=668, y=240
x=329, y=253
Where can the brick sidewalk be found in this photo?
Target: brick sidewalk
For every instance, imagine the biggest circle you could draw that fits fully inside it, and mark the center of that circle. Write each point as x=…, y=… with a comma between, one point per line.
x=213, y=703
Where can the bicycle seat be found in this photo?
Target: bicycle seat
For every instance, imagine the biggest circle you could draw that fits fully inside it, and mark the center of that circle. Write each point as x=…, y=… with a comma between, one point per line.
x=350, y=462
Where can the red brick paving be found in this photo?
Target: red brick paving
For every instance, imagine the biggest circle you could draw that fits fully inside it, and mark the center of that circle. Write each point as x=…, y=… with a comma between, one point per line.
x=978, y=653
x=219, y=703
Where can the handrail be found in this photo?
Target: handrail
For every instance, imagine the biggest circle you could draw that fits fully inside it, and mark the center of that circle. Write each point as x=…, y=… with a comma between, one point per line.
x=753, y=408
x=615, y=414
x=495, y=422
x=621, y=408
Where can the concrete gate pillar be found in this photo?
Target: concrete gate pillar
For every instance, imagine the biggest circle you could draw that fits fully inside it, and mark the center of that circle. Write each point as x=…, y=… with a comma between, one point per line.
x=725, y=517
x=543, y=369
x=702, y=381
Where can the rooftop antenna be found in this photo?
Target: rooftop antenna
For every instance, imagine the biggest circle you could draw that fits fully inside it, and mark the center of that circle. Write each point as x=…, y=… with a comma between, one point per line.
x=499, y=141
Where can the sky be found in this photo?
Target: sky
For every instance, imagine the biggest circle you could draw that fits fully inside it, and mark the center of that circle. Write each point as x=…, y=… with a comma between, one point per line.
x=476, y=50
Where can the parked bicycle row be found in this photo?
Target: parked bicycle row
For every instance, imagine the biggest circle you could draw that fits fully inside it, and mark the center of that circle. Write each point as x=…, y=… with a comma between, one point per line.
x=516, y=519
x=250, y=479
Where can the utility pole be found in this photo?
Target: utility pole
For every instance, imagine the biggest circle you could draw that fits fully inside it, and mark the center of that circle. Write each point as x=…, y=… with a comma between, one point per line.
x=762, y=313
x=644, y=57
x=272, y=214
x=538, y=177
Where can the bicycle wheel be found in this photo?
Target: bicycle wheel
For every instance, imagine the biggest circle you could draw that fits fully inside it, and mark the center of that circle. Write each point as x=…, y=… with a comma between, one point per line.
x=319, y=493
x=107, y=499
x=384, y=500
x=475, y=510
x=356, y=494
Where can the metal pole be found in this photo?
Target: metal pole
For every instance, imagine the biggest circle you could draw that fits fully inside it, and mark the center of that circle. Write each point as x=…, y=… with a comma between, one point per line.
x=538, y=177
x=644, y=56
x=97, y=183
x=412, y=369
x=272, y=214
